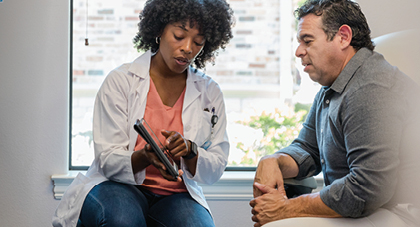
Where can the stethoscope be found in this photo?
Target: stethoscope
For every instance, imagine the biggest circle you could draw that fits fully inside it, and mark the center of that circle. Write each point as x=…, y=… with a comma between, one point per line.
x=213, y=121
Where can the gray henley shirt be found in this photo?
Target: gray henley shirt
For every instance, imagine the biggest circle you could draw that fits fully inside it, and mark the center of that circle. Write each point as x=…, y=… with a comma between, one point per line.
x=359, y=132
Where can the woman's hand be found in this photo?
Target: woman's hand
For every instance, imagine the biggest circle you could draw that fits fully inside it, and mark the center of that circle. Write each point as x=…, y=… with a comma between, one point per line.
x=178, y=146
x=145, y=157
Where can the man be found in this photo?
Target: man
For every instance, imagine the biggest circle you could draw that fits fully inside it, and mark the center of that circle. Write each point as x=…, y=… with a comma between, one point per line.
x=360, y=132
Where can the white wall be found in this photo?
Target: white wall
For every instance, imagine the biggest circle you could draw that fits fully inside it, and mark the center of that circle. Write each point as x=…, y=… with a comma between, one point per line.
x=33, y=108
x=34, y=84
x=389, y=16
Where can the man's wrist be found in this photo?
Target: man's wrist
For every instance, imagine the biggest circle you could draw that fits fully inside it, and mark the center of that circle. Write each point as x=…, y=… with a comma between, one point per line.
x=287, y=165
x=311, y=205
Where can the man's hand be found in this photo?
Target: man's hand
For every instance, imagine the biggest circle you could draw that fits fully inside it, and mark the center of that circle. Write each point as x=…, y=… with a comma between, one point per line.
x=268, y=173
x=270, y=206
x=274, y=205
x=272, y=169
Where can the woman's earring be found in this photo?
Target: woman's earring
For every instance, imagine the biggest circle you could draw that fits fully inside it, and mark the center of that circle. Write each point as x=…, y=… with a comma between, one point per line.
x=157, y=40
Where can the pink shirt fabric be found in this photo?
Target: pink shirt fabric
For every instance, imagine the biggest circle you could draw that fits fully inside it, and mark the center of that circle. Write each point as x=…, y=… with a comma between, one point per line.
x=160, y=116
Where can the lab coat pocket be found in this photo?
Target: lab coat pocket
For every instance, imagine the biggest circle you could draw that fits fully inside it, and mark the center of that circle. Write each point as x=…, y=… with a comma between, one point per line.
x=204, y=133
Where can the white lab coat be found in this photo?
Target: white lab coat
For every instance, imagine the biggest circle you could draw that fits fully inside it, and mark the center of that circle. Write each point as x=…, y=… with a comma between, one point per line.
x=119, y=103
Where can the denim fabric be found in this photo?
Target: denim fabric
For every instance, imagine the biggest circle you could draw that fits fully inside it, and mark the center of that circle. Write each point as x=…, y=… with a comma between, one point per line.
x=115, y=204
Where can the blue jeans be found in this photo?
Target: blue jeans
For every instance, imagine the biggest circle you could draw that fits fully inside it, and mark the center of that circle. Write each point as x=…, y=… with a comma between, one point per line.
x=115, y=204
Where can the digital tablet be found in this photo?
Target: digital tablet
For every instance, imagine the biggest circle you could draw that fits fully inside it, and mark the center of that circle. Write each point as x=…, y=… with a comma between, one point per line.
x=149, y=136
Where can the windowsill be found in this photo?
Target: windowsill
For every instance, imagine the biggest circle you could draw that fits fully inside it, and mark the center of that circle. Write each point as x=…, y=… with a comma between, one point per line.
x=233, y=185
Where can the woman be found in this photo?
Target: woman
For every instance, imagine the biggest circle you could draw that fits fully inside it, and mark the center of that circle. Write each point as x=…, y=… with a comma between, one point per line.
x=127, y=185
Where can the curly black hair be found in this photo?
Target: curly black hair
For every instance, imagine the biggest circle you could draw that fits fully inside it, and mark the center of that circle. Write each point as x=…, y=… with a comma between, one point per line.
x=214, y=18
x=336, y=13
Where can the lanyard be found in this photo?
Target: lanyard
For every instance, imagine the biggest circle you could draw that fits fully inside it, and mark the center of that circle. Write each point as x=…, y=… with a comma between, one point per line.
x=213, y=120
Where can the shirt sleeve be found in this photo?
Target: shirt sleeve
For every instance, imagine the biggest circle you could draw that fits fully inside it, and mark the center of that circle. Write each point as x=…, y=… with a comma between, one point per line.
x=304, y=149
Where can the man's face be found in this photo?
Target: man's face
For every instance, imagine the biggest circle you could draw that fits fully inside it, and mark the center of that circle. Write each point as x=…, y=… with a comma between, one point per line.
x=321, y=58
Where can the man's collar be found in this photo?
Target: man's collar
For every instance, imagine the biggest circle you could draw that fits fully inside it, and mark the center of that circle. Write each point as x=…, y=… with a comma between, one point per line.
x=350, y=69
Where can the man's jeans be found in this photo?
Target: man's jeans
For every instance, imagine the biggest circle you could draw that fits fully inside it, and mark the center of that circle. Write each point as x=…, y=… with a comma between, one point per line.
x=115, y=204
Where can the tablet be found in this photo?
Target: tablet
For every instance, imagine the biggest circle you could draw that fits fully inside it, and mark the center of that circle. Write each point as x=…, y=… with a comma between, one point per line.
x=147, y=134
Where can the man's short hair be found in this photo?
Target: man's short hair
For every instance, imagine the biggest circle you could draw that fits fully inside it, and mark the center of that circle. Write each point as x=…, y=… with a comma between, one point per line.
x=336, y=13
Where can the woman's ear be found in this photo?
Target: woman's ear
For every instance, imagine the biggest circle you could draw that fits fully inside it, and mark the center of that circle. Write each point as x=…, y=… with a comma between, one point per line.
x=346, y=35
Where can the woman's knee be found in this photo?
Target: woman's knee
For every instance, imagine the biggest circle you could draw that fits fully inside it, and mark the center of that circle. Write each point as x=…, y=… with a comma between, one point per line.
x=114, y=204
x=180, y=210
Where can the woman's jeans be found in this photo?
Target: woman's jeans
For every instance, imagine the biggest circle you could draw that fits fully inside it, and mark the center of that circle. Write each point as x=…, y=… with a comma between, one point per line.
x=115, y=204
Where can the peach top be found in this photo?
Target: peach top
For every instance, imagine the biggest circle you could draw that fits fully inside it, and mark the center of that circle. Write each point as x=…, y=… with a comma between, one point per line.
x=160, y=116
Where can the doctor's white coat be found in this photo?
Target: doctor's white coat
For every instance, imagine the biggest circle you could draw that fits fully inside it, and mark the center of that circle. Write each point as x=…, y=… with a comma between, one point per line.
x=120, y=101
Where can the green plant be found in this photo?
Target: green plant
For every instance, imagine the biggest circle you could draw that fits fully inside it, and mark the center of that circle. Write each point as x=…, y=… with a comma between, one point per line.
x=279, y=129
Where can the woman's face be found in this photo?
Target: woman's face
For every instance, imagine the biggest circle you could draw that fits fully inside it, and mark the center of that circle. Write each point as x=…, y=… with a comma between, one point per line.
x=179, y=45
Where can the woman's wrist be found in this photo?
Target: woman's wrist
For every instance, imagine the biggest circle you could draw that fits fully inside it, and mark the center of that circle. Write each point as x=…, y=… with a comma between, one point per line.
x=139, y=160
x=192, y=150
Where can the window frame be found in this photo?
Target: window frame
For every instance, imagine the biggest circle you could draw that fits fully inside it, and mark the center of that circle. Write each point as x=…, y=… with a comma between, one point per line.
x=72, y=167
x=84, y=168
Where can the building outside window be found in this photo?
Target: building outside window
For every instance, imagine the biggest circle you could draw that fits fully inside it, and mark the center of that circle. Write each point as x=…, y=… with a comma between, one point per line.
x=267, y=95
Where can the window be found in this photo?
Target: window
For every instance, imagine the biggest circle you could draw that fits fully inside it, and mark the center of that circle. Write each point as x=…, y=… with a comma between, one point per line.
x=266, y=93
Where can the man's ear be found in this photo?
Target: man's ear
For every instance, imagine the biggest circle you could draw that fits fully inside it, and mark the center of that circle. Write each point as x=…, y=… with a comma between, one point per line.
x=346, y=35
